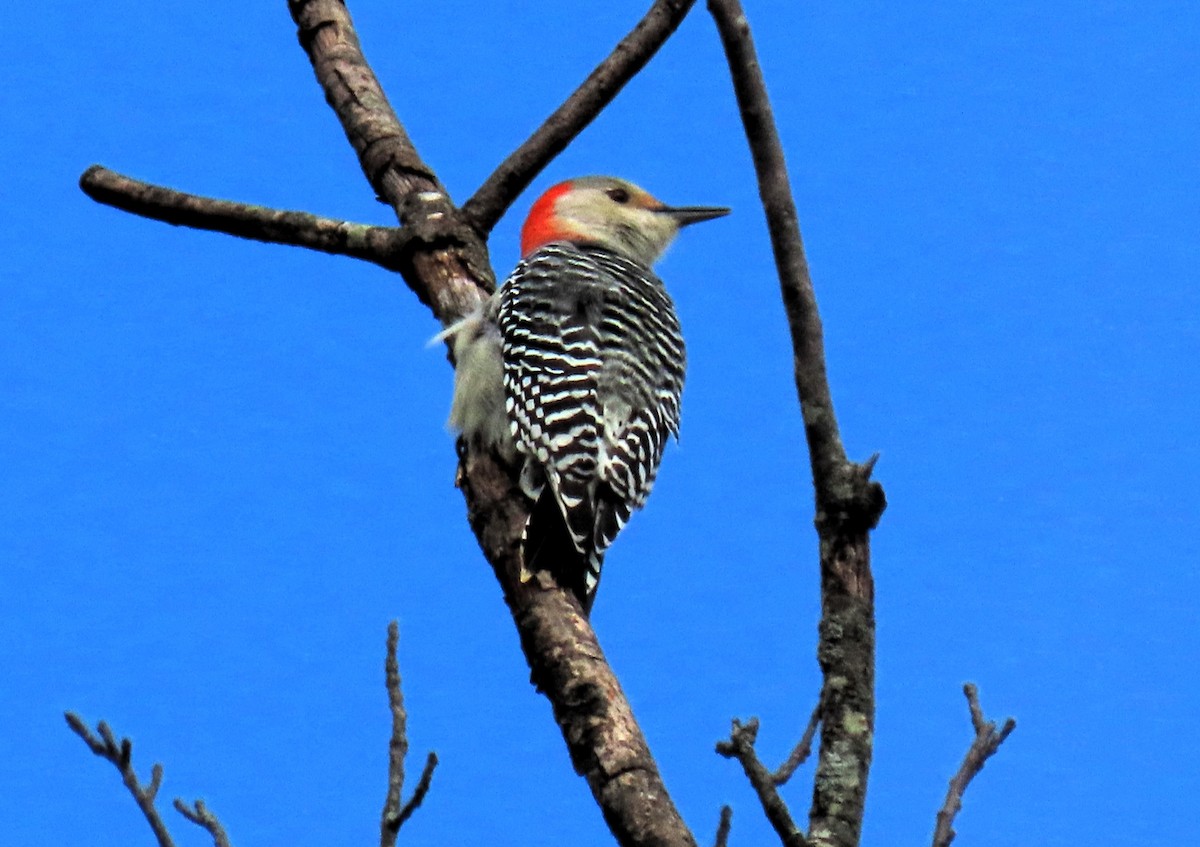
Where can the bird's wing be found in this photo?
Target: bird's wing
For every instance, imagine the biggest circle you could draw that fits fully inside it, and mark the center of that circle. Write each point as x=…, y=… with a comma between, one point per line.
x=548, y=318
x=640, y=387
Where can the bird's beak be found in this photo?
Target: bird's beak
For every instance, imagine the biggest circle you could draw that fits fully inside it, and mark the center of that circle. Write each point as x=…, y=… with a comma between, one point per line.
x=684, y=215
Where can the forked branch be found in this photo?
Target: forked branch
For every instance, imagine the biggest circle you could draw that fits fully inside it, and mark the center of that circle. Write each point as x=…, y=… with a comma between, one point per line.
x=985, y=744
x=199, y=814
x=394, y=168
x=395, y=813
x=120, y=753
x=765, y=783
x=740, y=746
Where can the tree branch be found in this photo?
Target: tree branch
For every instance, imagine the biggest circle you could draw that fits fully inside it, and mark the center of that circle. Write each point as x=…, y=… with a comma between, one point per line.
x=740, y=746
x=376, y=244
x=199, y=814
x=447, y=265
x=848, y=503
x=394, y=814
x=724, y=824
x=418, y=795
x=799, y=300
x=985, y=744
x=120, y=753
x=492, y=199
x=397, y=744
x=801, y=751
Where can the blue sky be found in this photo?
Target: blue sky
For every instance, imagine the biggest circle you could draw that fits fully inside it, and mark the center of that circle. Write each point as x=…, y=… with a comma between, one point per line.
x=225, y=466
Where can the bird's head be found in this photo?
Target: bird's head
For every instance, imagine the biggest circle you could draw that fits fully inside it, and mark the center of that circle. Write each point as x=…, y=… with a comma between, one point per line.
x=607, y=212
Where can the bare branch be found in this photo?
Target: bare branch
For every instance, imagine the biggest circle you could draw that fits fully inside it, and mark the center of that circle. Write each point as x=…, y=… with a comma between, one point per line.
x=514, y=174
x=418, y=796
x=394, y=815
x=740, y=746
x=447, y=264
x=801, y=751
x=774, y=187
x=775, y=191
x=120, y=753
x=387, y=155
x=848, y=502
x=156, y=777
x=398, y=744
x=606, y=744
x=723, y=826
x=199, y=814
x=376, y=244
x=985, y=744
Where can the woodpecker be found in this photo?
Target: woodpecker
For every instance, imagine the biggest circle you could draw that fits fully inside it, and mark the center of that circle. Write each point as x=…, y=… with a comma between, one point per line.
x=576, y=365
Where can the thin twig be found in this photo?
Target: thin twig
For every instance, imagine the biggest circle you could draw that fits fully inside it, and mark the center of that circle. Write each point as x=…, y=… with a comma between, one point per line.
x=774, y=188
x=120, y=753
x=394, y=813
x=801, y=751
x=375, y=244
x=740, y=746
x=723, y=826
x=199, y=814
x=398, y=743
x=514, y=174
x=418, y=796
x=985, y=744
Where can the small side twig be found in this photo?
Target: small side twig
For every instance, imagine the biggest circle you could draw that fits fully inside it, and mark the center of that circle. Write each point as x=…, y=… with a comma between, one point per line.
x=199, y=814
x=740, y=746
x=105, y=745
x=985, y=744
x=723, y=827
x=801, y=751
x=418, y=795
x=394, y=812
x=515, y=173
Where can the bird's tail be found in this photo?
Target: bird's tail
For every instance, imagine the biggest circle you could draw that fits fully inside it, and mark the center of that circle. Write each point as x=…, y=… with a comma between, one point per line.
x=548, y=546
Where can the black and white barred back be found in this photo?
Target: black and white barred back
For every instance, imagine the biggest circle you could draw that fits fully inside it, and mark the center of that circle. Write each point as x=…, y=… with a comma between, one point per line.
x=593, y=374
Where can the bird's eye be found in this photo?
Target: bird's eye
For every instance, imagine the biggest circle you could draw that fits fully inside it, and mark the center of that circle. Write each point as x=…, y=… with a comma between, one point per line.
x=618, y=195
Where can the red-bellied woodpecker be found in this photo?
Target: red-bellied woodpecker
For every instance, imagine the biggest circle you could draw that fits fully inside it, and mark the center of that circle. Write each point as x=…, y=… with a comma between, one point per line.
x=577, y=364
